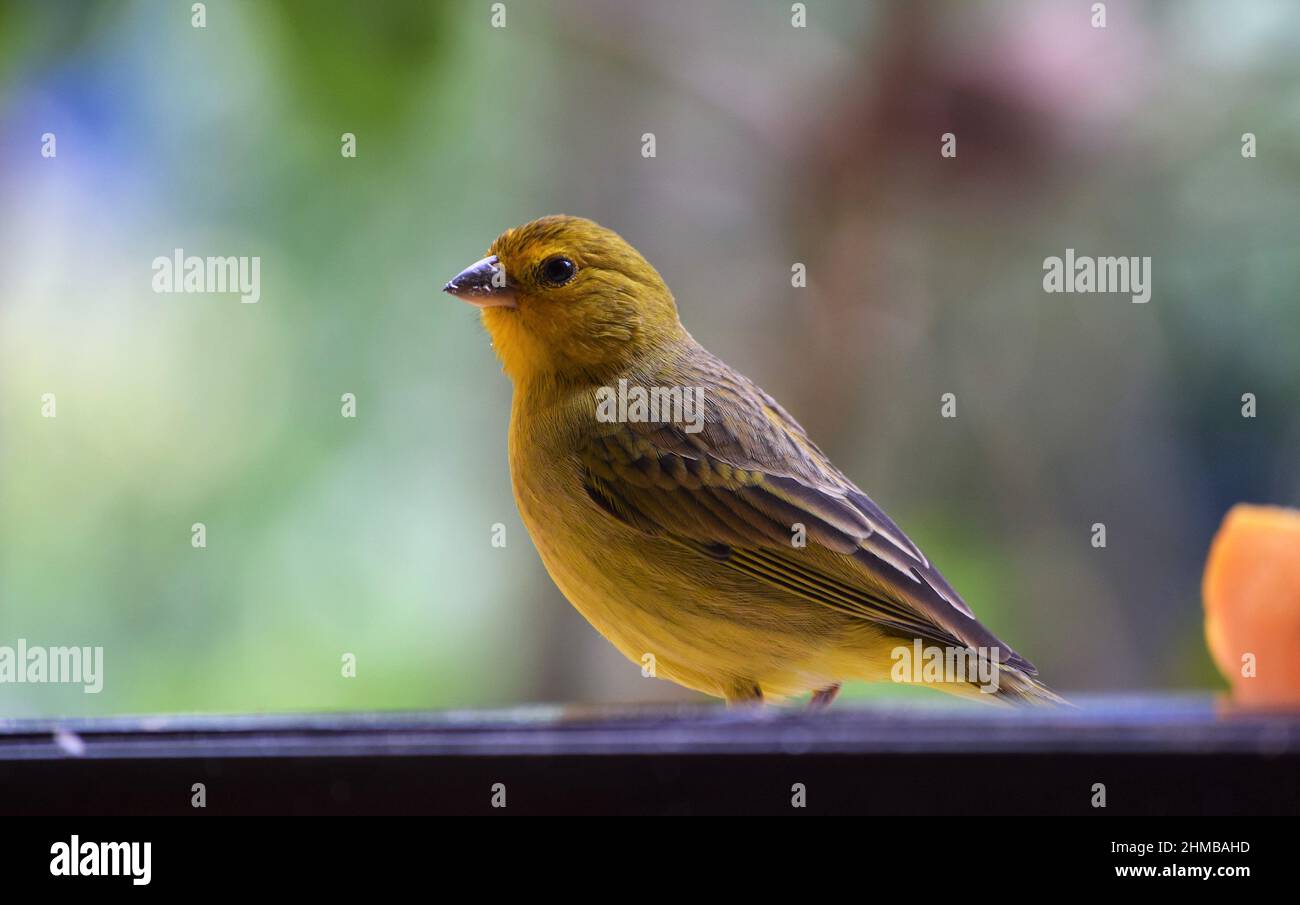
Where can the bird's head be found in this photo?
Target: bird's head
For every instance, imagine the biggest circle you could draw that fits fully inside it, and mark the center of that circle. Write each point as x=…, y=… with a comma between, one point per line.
x=563, y=297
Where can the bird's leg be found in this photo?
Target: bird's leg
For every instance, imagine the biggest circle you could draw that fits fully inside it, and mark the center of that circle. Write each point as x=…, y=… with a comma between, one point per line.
x=822, y=698
x=744, y=694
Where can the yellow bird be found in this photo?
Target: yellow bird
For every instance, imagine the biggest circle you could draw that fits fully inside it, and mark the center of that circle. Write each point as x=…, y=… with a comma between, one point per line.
x=684, y=513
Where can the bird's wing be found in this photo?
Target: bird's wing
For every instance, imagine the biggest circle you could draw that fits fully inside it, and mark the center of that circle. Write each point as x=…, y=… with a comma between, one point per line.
x=736, y=488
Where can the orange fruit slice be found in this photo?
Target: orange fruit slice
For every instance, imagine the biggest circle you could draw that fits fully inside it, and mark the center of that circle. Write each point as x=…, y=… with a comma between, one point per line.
x=1251, y=589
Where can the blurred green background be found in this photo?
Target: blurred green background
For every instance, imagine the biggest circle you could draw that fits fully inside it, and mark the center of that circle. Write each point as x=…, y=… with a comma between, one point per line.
x=775, y=145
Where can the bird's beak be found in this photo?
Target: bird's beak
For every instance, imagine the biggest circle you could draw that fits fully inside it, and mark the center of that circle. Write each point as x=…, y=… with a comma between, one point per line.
x=483, y=283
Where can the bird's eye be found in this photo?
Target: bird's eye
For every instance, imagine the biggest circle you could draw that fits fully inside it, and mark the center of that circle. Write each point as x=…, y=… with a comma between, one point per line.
x=557, y=271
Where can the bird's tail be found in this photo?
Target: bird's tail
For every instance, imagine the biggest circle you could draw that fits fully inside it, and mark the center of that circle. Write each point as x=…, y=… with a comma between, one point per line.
x=1011, y=686
x=1017, y=687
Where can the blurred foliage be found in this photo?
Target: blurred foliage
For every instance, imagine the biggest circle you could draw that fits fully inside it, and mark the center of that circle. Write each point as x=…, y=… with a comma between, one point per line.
x=371, y=536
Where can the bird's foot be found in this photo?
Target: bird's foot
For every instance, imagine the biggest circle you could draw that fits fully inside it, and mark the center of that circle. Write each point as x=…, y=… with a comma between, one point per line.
x=745, y=695
x=822, y=698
